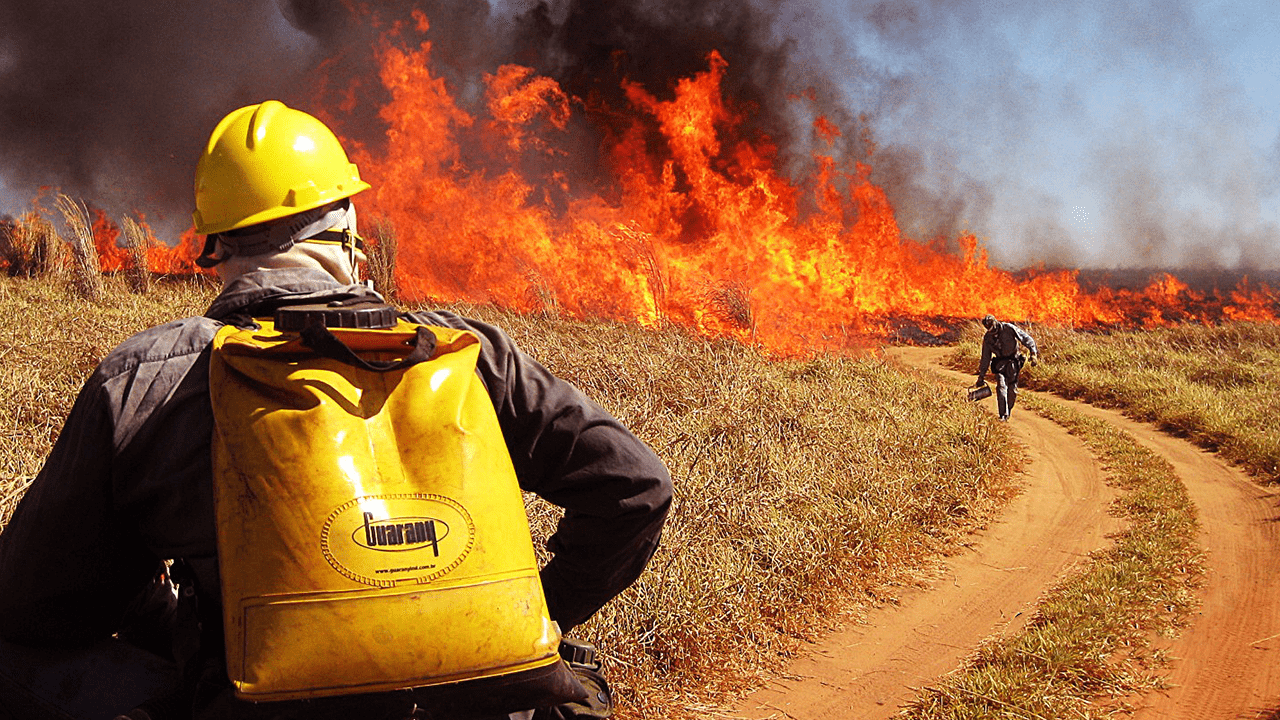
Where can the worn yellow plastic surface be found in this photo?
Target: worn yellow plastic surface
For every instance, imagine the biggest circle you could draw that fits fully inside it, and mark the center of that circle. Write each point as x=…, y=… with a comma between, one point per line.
x=371, y=533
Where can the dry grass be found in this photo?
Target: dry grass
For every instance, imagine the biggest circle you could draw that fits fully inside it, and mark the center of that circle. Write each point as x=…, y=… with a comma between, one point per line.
x=1218, y=386
x=137, y=240
x=85, y=274
x=383, y=253
x=804, y=490
x=1088, y=648
x=50, y=341
x=30, y=247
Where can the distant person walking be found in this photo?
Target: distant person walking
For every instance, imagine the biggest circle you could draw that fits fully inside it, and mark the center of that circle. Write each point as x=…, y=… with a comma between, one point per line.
x=1000, y=353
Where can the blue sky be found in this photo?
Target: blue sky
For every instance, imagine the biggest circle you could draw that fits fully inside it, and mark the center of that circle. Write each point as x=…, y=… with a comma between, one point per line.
x=1105, y=134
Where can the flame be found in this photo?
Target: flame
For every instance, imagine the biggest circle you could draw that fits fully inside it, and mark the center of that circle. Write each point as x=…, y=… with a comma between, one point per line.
x=106, y=235
x=695, y=224
x=700, y=229
x=1252, y=304
x=110, y=241
x=177, y=259
x=161, y=258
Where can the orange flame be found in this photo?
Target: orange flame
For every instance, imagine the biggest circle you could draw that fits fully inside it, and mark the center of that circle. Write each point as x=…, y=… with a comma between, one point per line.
x=695, y=226
x=1252, y=304
x=701, y=229
x=106, y=237
x=108, y=240
x=177, y=259
x=161, y=258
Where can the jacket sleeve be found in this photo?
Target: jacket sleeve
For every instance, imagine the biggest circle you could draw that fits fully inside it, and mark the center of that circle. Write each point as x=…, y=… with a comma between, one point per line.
x=1025, y=338
x=68, y=566
x=567, y=449
x=985, y=360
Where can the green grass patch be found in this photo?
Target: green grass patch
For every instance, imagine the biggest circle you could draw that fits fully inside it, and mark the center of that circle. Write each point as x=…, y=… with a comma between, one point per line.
x=1089, y=646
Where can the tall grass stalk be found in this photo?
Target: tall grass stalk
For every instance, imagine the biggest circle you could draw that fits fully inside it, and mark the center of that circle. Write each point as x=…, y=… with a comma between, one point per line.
x=85, y=273
x=30, y=247
x=137, y=241
x=383, y=253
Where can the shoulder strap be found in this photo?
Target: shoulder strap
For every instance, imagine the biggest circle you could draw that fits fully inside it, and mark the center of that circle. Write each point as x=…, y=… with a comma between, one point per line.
x=325, y=343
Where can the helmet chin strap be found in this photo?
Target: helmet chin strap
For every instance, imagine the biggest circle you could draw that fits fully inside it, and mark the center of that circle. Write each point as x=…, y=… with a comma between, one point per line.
x=277, y=236
x=337, y=248
x=344, y=234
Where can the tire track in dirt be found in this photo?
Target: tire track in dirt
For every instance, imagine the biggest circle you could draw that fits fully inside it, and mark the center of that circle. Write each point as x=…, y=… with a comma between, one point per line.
x=869, y=670
x=1226, y=664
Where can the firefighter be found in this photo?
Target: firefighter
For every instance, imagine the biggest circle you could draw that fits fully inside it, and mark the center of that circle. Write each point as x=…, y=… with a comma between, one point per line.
x=1000, y=352
x=125, y=495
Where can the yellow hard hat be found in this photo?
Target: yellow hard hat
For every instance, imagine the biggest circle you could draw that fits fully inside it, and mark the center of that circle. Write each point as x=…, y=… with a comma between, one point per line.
x=268, y=161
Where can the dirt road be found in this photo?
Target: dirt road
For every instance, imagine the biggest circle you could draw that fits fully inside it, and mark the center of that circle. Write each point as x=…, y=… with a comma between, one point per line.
x=1227, y=662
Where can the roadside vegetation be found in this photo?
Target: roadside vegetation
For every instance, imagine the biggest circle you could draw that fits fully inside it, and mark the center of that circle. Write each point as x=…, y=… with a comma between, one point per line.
x=1089, y=648
x=1216, y=385
x=805, y=490
x=51, y=338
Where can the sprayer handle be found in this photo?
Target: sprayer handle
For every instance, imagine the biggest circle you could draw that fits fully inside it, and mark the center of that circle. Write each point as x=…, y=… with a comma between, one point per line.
x=319, y=338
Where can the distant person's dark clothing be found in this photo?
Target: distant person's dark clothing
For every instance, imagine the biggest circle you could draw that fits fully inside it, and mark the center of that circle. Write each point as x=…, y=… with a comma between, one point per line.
x=1000, y=353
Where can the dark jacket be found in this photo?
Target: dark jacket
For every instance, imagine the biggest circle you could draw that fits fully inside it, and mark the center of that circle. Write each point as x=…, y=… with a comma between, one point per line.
x=129, y=480
x=1001, y=342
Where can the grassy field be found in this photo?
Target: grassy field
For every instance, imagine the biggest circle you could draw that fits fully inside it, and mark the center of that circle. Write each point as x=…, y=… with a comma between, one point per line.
x=805, y=490
x=50, y=340
x=1218, y=386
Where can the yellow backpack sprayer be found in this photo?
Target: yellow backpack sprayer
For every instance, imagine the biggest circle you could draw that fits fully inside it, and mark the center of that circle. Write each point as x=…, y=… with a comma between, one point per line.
x=371, y=532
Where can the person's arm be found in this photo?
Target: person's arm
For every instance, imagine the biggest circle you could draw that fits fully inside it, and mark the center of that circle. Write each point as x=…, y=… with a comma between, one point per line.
x=985, y=361
x=67, y=566
x=615, y=490
x=1027, y=340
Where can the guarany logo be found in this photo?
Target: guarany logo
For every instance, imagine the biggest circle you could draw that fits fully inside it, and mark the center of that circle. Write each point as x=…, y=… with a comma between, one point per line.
x=401, y=534
x=383, y=540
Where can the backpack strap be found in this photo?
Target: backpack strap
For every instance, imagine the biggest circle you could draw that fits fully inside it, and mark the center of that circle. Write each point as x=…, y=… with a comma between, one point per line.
x=320, y=339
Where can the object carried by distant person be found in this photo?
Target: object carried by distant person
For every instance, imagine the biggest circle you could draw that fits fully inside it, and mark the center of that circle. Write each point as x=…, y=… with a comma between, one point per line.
x=979, y=392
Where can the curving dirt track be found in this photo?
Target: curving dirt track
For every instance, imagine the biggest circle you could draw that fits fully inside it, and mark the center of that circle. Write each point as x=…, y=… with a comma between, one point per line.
x=1227, y=664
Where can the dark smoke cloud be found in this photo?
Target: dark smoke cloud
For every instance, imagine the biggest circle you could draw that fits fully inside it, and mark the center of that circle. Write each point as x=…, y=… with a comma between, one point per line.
x=111, y=101
x=591, y=46
x=969, y=116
